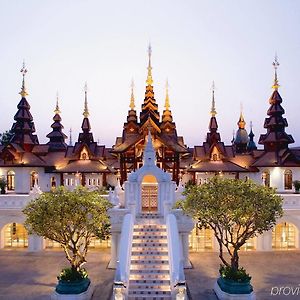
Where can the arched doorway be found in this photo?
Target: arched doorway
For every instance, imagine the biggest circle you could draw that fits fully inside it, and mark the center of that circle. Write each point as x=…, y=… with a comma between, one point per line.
x=15, y=236
x=149, y=194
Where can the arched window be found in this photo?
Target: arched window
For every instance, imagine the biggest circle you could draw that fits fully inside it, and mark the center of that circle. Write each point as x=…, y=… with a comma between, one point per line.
x=15, y=236
x=288, y=180
x=201, y=239
x=215, y=157
x=10, y=180
x=34, y=179
x=53, y=182
x=284, y=236
x=266, y=178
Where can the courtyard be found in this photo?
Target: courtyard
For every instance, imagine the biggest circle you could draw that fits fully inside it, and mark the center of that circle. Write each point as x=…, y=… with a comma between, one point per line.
x=32, y=276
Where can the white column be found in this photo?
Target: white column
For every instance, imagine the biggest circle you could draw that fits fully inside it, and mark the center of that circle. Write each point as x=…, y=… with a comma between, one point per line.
x=185, y=250
x=113, y=250
x=35, y=243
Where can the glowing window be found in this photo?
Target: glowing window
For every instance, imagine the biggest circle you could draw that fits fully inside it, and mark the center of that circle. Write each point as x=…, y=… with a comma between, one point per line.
x=15, y=236
x=10, y=180
x=284, y=236
x=266, y=178
x=288, y=180
x=201, y=239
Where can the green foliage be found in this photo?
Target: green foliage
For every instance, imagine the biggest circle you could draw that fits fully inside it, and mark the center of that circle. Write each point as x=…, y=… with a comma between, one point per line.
x=239, y=276
x=69, y=274
x=5, y=137
x=297, y=185
x=236, y=210
x=71, y=218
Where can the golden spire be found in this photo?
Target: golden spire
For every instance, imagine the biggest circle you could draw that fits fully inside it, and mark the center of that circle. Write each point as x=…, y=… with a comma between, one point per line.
x=57, y=110
x=149, y=80
x=86, y=110
x=213, y=111
x=167, y=101
x=275, y=64
x=132, y=105
x=241, y=123
x=23, y=92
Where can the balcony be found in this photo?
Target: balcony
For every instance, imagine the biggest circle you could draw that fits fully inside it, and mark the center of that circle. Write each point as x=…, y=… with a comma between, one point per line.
x=14, y=201
x=291, y=201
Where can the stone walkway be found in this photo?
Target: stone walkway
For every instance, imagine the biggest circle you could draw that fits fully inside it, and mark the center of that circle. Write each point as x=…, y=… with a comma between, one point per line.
x=32, y=276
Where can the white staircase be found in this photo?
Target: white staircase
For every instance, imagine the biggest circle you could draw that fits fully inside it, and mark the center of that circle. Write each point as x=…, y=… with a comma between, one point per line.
x=149, y=269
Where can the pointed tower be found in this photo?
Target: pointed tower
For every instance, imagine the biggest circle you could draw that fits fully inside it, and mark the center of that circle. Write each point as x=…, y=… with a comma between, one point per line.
x=24, y=128
x=213, y=136
x=70, y=137
x=86, y=136
x=276, y=138
x=251, y=144
x=167, y=125
x=131, y=125
x=241, y=137
x=149, y=115
x=57, y=137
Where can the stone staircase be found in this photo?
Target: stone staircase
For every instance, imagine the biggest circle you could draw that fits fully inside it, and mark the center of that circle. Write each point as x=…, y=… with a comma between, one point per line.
x=149, y=270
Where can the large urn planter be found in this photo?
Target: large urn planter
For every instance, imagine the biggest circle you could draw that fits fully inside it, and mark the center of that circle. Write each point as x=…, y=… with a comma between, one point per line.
x=74, y=290
x=228, y=289
x=73, y=286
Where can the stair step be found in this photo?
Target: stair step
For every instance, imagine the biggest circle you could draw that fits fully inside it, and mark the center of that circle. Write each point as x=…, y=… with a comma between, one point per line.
x=149, y=257
x=149, y=267
x=149, y=240
x=148, y=271
x=150, y=226
x=147, y=292
x=151, y=252
x=150, y=281
x=149, y=262
x=150, y=244
x=146, y=297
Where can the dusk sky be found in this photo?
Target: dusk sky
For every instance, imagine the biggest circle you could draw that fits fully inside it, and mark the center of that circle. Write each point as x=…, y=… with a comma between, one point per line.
x=66, y=43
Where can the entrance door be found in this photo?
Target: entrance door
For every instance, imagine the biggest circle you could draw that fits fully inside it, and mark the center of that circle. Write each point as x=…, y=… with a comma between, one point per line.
x=149, y=198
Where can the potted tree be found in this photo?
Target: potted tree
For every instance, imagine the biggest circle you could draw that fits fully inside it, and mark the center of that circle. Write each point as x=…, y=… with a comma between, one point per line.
x=236, y=211
x=3, y=184
x=71, y=218
x=296, y=184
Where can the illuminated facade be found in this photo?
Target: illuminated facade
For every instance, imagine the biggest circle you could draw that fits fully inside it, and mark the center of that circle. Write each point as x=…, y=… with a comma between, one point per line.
x=27, y=164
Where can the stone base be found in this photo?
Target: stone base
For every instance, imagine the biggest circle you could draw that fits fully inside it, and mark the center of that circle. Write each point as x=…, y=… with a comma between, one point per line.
x=87, y=295
x=225, y=296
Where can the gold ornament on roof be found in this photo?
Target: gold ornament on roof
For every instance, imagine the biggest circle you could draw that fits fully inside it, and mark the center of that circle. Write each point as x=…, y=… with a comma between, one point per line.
x=167, y=101
x=213, y=111
x=23, y=92
x=241, y=123
x=86, y=110
x=132, y=105
x=57, y=110
x=275, y=65
x=149, y=80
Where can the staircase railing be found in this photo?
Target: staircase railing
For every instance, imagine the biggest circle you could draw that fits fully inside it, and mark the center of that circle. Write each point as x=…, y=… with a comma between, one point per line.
x=121, y=281
x=177, y=278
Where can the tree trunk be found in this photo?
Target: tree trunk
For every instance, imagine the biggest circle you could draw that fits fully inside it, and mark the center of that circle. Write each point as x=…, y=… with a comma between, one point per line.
x=235, y=260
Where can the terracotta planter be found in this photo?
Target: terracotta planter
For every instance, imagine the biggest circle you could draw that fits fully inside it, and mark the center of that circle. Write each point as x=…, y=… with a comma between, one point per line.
x=72, y=287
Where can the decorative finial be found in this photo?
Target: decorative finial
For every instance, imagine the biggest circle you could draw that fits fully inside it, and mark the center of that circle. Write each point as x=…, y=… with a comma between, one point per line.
x=57, y=110
x=70, y=139
x=149, y=80
x=241, y=123
x=213, y=111
x=23, y=92
x=86, y=110
x=167, y=101
x=275, y=65
x=132, y=105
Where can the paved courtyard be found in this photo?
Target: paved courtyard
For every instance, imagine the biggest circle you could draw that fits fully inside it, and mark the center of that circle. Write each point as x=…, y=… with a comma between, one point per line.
x=32, y=276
